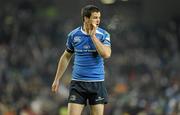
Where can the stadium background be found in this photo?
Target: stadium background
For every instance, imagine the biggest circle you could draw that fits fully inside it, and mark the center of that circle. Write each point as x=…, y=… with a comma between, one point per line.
x=142, y=76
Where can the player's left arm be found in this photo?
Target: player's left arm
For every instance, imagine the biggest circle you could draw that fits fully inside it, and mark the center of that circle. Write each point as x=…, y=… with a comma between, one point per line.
x=103, y=50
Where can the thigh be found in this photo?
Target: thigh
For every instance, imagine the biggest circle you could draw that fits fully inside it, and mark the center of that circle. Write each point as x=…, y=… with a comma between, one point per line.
x=97, y=93
x=97, y=109
x=77, y=93
x=75, y=109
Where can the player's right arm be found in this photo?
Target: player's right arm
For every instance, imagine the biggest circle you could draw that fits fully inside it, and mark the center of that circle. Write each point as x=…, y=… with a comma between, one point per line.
x=62, y=66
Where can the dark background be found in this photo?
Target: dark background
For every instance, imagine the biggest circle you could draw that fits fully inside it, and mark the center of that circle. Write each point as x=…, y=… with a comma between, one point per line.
x=142, y=75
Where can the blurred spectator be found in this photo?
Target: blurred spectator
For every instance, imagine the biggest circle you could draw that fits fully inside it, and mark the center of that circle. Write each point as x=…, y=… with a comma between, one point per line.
x=143, y=73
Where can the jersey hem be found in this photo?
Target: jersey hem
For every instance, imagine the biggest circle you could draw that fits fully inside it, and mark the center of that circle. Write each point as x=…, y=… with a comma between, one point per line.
x=88, y=80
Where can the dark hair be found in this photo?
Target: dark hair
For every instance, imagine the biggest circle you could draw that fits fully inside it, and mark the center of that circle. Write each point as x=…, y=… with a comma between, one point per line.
x=87, y=10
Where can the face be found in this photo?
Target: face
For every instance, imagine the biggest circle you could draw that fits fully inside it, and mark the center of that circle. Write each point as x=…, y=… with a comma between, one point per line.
x=94, y=19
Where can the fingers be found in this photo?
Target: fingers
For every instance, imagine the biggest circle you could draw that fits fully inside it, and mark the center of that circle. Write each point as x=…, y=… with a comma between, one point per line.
x=94, y=26
x=92, y=31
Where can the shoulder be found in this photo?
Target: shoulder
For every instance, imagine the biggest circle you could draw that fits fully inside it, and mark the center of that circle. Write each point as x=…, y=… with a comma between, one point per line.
x=102, y=31
x=74, y=31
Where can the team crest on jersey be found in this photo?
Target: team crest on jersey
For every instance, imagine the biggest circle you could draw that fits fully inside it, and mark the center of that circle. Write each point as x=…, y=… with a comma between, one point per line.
x=77, y=39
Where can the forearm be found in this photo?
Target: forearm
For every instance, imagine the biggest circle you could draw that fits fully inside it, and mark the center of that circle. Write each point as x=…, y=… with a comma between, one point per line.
x=62, y=66
x=104, y=51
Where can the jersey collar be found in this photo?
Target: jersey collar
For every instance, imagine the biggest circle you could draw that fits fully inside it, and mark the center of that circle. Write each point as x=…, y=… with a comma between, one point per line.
x=83, y=31
x=87, y=34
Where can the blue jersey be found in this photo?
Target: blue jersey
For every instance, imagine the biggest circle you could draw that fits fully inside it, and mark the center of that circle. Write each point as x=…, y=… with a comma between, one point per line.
x=88, y=64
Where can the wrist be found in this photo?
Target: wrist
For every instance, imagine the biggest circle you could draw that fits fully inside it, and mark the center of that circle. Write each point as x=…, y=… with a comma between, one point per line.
x=93, y=36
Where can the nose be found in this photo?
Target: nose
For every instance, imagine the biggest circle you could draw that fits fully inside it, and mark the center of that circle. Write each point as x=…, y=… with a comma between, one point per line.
x=98, y=20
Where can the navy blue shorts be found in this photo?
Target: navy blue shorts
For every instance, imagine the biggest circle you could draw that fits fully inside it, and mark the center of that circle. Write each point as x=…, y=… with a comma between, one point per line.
x=87, y=92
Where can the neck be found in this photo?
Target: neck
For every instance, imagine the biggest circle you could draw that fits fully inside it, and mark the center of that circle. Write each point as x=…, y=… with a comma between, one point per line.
x=86, y=28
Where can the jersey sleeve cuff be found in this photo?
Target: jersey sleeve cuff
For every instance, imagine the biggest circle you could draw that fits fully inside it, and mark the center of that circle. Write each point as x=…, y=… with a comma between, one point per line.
x=69, y=50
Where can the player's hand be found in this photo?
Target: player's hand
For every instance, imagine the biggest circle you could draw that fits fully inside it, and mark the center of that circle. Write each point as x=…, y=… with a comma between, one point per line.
x=92, y=31
x=55, y=86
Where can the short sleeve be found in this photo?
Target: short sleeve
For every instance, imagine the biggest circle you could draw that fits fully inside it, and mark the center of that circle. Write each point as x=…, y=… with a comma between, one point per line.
x=69, y=45
x=107, y=40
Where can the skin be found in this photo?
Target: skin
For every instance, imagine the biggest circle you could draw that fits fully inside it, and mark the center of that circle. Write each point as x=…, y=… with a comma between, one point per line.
x=90, y=26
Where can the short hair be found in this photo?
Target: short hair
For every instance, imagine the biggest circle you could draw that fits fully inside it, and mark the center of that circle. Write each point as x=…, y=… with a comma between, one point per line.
x=88, y=10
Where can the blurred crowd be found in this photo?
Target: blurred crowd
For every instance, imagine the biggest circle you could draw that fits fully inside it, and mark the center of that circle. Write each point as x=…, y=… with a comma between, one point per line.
x=143, y=73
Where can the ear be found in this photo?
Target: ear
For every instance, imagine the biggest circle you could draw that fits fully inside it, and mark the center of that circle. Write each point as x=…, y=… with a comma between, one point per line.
x=86, y=19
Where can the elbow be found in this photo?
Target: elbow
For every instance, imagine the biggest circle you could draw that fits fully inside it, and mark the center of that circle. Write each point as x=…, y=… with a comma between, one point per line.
x=107, y=53
x=106, y=56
